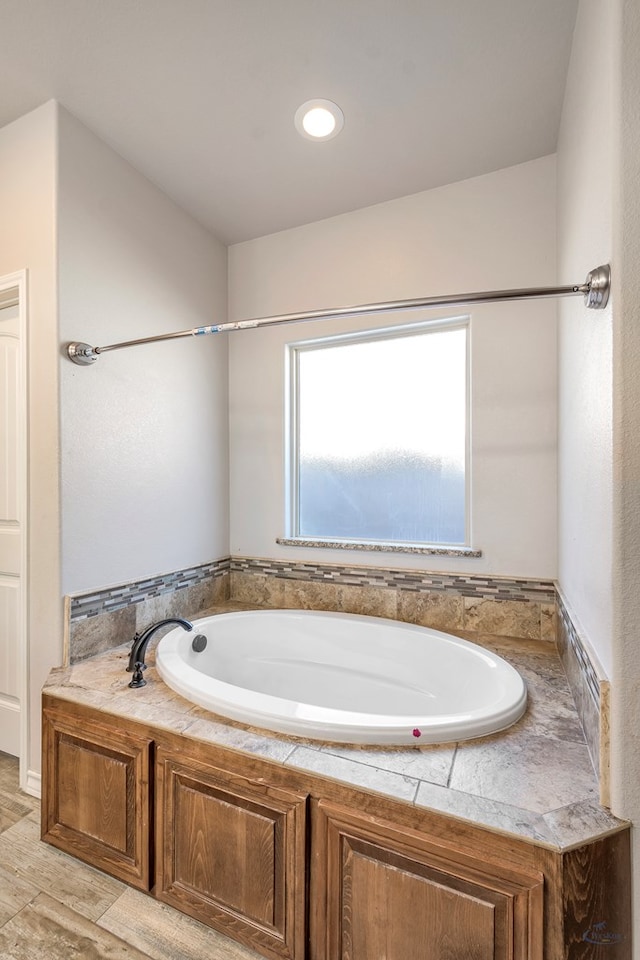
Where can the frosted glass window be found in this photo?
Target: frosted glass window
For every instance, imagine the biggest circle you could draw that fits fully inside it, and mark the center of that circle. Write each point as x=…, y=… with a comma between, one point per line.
x=380, y=437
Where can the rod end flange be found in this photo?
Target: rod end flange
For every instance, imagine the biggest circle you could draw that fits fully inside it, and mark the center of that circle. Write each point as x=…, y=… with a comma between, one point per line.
x=599, y=283
x=82, y=353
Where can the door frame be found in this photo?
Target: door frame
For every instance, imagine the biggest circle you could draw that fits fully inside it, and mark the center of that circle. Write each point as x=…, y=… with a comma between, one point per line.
x=18, y=281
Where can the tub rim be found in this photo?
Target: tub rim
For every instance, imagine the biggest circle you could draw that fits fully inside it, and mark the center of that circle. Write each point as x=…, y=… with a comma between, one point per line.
x=280, y=715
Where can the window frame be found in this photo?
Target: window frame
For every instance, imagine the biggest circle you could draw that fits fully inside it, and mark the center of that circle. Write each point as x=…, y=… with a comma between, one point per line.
x=292, y=431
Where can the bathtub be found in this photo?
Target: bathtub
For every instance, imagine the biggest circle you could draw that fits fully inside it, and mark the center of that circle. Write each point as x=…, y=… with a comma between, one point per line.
x=342, y=678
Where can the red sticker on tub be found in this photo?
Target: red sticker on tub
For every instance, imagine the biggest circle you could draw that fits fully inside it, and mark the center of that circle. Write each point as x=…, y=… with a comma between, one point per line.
x=417, y=733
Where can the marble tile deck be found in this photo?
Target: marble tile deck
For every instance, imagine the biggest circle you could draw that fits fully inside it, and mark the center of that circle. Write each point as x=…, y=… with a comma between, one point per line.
x=534, y=780
x=52, y=906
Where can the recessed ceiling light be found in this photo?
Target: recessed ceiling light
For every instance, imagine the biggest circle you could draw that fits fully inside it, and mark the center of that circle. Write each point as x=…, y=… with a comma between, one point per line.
x=319, y=119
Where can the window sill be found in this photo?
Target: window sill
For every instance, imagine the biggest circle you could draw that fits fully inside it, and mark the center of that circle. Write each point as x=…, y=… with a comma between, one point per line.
x=378, y=547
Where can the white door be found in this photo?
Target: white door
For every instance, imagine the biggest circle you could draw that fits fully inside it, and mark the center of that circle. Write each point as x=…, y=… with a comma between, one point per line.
x=12, y=511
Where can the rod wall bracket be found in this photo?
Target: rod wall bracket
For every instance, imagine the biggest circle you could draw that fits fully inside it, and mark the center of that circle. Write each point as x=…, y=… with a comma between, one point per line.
x=81, y=353
x=599, y=283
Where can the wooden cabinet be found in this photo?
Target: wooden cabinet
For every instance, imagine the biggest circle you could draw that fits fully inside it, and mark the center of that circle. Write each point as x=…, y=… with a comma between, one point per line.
x=300, y=867
x=97, y=803
x=230, y=851
x=392, y=893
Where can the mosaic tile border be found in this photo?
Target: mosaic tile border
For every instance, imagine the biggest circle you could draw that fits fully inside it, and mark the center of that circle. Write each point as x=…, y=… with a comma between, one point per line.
x=574, y=640
x=97, y=602
x=591, y=693
x=497, y=588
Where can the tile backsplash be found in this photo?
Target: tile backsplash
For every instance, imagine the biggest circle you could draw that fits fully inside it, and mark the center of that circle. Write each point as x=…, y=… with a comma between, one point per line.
x=102, y=619
x=96, y=602
x=503, y=606
x=477, y=604
x=590, y=691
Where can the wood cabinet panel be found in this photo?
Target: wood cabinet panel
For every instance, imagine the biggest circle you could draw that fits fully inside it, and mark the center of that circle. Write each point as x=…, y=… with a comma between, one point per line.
x=230, y=852
x=384, y=904
x=96, y=799
x=102, y=814
x=391, y=893
x=597, y=900
x=240, y=872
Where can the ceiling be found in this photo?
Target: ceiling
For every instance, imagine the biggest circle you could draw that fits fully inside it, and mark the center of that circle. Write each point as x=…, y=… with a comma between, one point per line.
x=200, y=95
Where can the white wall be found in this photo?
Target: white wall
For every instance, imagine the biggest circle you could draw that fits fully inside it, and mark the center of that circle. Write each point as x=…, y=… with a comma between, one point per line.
x=27, y=241
x=625, y=699
x=492, y=232
x=599, y=449
x=144, y=430
x=585, y=178
x=142, y=436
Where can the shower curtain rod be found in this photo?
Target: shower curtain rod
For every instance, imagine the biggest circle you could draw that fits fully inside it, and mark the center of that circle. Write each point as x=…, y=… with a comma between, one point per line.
x=595, y=289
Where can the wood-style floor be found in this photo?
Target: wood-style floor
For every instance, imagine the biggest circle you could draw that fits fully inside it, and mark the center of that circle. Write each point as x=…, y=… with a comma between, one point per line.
x=53, y=907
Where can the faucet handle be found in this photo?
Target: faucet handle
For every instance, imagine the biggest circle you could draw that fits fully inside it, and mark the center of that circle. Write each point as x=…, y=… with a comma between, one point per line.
x=137, y=680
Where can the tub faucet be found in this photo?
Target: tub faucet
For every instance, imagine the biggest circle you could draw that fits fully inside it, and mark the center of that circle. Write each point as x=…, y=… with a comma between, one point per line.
x=138, y=649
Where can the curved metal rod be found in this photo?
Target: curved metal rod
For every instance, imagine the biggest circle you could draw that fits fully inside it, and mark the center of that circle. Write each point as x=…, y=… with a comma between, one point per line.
x=595, y=290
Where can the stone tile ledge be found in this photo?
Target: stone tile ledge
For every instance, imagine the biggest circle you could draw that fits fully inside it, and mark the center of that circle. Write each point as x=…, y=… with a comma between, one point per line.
x=376, y=547
x=534, y=781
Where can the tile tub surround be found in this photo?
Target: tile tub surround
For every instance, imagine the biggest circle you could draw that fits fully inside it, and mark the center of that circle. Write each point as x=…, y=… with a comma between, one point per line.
x=102, y=619
x=451, y=602
x=534, y=780
x=466, y=605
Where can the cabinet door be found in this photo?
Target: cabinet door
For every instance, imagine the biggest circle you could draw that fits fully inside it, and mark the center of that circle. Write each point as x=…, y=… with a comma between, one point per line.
x=380, y=891
x=230, y=852
x=96, y=800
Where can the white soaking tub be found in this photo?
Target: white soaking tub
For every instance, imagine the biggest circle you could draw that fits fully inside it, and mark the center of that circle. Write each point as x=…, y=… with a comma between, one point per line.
x=343, y=678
